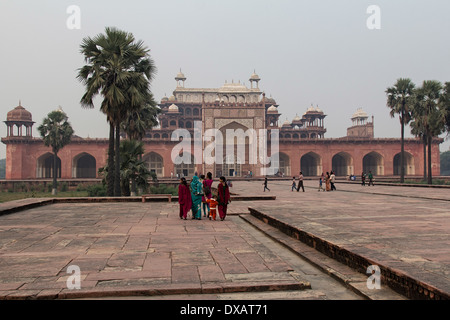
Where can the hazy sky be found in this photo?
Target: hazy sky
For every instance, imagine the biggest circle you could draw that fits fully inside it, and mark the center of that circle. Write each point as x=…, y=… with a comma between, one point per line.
x=319, y=52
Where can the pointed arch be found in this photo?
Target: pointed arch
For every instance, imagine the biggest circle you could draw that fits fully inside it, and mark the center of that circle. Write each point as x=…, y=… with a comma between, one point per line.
x=84, y=165
x=373, y=161
x=283, y=166
x=409, y=164
x=155, y=163
x=311, y=164
x=342, y=164
x=44, y=166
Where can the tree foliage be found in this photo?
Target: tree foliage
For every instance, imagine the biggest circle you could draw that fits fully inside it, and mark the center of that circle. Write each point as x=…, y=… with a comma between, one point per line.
x=56, y=133
x=119, y=69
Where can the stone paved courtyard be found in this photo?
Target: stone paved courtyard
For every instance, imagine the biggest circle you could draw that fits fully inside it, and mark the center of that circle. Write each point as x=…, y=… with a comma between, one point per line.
x=133, y=248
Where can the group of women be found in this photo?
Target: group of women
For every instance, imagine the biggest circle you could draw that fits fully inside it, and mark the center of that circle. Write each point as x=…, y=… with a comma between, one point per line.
x=198, y=193
x=329, y=180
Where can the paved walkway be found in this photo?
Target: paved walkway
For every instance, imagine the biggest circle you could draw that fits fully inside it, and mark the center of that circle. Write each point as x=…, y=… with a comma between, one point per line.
x=129, y=249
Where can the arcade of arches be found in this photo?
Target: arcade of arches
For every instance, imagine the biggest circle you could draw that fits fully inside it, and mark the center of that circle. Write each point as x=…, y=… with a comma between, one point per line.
x=381, y=161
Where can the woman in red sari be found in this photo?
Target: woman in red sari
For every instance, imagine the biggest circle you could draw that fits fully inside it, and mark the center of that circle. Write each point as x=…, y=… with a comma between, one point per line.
x=223, y=197
x=184, y=198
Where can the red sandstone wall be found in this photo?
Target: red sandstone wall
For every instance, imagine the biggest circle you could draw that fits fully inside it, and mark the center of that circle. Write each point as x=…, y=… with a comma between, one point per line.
x=21, y=158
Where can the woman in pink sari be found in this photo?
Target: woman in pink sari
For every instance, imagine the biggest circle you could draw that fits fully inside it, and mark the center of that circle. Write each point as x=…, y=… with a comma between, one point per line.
x=184, y=198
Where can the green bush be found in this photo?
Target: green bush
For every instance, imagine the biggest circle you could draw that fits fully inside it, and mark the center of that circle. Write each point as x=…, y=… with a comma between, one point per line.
x=82, y=187
x=164, y=189
x=96, y=190
x=64, y=187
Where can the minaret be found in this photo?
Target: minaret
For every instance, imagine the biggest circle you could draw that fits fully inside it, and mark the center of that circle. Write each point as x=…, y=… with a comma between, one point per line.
x=180, y=78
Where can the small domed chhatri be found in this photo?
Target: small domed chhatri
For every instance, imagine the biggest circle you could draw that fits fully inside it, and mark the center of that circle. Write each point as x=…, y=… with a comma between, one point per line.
x=360, y=113
x=271, y=101
x=272, y=109
x=286, y=123
x=19, y=113
x=180, y=76
x=18, y=118
x=254, y=77
x=180, y=79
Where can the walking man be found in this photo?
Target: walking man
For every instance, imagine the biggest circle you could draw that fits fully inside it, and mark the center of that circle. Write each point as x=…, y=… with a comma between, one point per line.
x=265, y=184
x=370, y=178
x=300, y=182
x=332, y=180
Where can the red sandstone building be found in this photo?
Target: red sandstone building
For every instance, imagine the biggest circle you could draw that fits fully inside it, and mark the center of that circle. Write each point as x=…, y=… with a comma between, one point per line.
x=302, y=143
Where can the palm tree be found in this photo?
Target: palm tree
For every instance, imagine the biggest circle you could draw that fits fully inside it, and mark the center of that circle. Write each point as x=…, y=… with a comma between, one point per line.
x=138, y=122
x=418, y=130
x=398, y=99
x=56, y=132
x=132, y=167
x=445, y=106
x=120, y=69
x=425, y=109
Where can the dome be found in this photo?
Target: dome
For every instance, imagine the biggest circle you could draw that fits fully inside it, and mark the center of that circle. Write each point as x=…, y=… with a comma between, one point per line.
x=319, y=110
x=311, y=109
x=297, y=118
x=271, y=101
x=254, y=77
x=180, y=76
x=272, y=109
x=286, y=123
x=360, y=113
x=172, y=98
x=164, y=99
x=173, y=108
x=19, y=113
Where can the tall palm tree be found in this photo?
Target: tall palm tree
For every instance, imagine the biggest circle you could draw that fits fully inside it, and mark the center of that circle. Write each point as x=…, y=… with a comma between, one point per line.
x=56, y=133
x=398, y=99
x=120, y=70
x=425, y=109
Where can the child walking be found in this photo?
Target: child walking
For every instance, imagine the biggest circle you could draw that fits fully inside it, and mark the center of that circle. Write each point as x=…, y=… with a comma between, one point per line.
x=212, y=206
x=321, y=182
